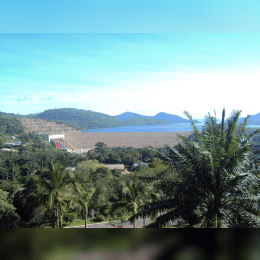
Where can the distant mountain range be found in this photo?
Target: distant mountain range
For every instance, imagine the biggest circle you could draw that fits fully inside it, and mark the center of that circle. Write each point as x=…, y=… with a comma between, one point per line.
x=160, y=116
x=85, y=119
x=252, y=119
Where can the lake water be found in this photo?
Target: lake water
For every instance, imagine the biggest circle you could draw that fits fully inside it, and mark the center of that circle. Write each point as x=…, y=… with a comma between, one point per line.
x=176, y=127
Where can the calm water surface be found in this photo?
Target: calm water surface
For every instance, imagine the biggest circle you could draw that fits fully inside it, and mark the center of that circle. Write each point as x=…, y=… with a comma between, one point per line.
x=176, y=127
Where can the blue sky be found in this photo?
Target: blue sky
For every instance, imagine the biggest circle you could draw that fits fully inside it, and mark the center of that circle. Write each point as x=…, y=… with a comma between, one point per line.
x=128, y=68
x=130, y=16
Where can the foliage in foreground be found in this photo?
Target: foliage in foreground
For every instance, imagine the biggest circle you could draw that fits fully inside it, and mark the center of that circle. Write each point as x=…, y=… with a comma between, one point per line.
x=213, y=185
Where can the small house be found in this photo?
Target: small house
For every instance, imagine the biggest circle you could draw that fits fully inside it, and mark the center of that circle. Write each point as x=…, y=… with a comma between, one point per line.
x=119, y=167
x=9, y=142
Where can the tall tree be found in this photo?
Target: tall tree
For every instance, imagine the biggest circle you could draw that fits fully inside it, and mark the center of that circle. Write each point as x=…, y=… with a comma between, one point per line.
x=134, y=194
x=85, y=168
x=56, y=187
x=82, y=199
x=113, y=158
x=8, y=216
x=213, y=186
x=102, y=151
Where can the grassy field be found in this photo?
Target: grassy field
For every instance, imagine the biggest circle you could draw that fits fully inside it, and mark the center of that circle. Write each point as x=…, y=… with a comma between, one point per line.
x=80, y=222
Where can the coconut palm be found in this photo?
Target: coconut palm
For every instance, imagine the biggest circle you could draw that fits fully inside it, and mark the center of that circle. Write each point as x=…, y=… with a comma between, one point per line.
x=212, y=185
x=56, y=187
x=135, y=195
x=82, y=199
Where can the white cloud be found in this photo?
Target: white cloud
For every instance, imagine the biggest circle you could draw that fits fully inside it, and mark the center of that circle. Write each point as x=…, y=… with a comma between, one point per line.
x=171, y=93
x=22, y=98
x=153, y=92
x=47, y=98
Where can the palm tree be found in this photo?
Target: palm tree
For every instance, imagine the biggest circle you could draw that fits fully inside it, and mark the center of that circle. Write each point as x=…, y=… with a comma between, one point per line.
x=56, y=187
x=213, y=185
x=82, y=198
x=135, y=195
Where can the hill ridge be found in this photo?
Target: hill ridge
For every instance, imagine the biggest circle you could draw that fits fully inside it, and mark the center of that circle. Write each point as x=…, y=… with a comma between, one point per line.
x=85, y=119
x=160, y=116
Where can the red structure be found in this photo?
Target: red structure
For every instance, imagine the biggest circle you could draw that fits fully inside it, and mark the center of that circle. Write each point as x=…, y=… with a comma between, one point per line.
x=57, y=145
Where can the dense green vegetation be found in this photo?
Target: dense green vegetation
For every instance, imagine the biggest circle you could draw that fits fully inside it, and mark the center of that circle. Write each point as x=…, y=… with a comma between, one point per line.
x=10, y=125
x=79, y=118
x=26, y=203
x=135, y=195
x=83, y=119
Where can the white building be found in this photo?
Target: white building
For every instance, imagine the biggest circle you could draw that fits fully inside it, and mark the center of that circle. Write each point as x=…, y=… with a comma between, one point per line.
x=53, y=136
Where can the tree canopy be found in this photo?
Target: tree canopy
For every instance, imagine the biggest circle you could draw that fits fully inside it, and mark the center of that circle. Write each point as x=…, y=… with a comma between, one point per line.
x=10, y=125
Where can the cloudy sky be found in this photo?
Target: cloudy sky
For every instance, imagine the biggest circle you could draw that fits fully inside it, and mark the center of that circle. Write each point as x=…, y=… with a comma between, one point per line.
x=139, y=71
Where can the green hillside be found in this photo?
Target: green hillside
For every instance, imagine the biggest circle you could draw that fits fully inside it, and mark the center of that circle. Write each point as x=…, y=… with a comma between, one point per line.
x=127, y=115
x=166, y=118
x=86, y=119
x=10, y=125
x=172, y=118
x=79, y=118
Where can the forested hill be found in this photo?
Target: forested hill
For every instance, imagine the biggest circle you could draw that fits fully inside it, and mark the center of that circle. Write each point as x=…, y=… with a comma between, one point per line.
x=127, y=115
x=86, y=119
x=160, y=116
x=9, y=124
x=79, y=118
x=172, y=118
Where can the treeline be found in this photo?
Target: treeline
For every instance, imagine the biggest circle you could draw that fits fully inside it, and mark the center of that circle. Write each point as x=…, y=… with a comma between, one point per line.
x=38, y=154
